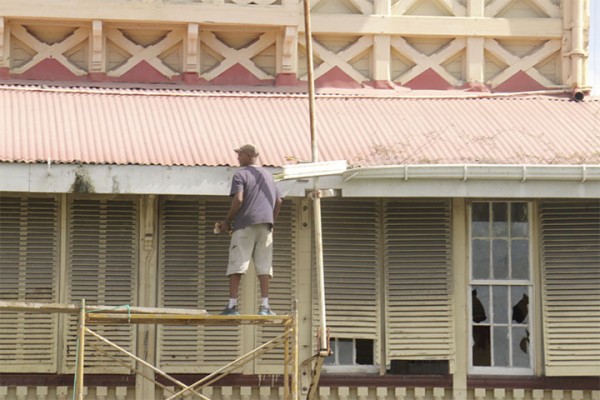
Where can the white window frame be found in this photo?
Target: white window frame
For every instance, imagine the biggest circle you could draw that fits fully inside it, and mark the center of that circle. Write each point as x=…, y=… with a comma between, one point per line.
x=347, y=368
x=518, y=371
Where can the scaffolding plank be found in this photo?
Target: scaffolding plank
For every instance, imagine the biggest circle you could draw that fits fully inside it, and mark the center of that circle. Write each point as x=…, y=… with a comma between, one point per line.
x=177, y=319
x=74, y=308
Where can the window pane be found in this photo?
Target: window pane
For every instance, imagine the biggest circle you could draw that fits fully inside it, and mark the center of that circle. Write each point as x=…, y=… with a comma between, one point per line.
x=520, y=304
x=345, y=352
x=500, y=224
x=519, y=258
x=500, y=304
x=520, y=347
x=481, y=346
x=330, y=360
x=480, y=300
x=519, y=226
x=481, y=220
x=364, y=352
x=500, y=258
x=501, y=347
x=481, y=259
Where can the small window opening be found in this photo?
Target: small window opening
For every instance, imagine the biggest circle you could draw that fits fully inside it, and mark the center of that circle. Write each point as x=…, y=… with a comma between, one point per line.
x=351, y=352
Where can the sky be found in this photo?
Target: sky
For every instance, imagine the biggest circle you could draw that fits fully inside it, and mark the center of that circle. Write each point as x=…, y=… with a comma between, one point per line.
x=594, y=60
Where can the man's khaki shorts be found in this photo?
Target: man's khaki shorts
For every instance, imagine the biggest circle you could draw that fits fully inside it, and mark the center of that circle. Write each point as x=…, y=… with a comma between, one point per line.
x=254, y=242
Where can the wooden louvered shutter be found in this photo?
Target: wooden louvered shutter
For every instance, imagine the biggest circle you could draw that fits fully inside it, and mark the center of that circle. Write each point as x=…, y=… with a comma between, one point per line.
x=282, y=287
x=571, y=287
x=102, y=269
x=192, y=265
x=28, y=270
x=350, y=256
x=418, y=280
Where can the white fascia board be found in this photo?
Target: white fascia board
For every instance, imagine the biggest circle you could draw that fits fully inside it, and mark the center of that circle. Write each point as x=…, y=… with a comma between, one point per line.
x=136, y=179
x=112, y=179
x=397, y=181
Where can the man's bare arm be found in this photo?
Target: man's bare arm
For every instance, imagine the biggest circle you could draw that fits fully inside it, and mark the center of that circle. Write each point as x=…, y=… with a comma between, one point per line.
x=236, y=204
x=276, y=209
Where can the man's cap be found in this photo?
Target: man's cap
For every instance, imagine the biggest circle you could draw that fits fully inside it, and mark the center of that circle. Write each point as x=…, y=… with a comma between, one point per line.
x=249, y=149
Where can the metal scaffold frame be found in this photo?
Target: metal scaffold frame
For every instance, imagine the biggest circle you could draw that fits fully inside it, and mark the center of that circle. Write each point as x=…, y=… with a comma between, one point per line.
x=162, y=316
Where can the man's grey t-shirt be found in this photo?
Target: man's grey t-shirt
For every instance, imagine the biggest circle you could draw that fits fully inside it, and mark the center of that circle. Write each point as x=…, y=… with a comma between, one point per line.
x=260, y=194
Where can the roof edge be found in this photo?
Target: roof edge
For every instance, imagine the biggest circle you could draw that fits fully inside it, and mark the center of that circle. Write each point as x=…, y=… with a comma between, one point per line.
x=275, y=92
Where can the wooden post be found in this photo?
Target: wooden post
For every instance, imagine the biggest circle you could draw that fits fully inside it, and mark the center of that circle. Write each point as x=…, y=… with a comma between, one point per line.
x=459, y=366
x=80, y=353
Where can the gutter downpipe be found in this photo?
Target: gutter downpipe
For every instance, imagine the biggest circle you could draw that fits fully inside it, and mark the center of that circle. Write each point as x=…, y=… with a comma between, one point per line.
x=577, y=53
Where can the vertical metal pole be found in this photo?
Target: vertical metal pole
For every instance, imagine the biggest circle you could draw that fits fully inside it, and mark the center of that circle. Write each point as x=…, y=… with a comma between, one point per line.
x=286, y=361
x=320, y=270
x=295, y=356
x=80, y=354
x=311, y=81
x=316, y=195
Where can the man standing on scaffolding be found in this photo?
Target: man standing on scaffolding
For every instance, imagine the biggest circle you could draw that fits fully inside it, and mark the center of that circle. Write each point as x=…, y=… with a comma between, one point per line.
x=254, y=207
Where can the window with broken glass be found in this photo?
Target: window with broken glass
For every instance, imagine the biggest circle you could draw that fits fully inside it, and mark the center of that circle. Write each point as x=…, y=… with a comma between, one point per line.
x=501, y=288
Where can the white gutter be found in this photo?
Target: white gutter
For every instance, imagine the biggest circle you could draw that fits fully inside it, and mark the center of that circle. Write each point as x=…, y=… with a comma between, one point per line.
x=466, y=172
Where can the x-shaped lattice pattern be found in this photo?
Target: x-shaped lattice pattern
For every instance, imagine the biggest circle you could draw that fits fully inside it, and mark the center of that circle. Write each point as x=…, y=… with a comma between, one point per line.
x=234, y=56
x=54, y=50
x=138, y=53
x=341, y=59
x=517, y=63
x=423, y=62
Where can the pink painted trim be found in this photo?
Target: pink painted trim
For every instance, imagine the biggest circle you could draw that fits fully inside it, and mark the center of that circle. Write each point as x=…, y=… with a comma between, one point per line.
x=337, y=78
x=142, y=72
x=428, y=80
x=475, y=87
x=4, y=73
x=519, y=82
x=286, y=80
x=239, y=75
x=97, y=77
x=192, y=78
x=49, y=69
x=382, y=84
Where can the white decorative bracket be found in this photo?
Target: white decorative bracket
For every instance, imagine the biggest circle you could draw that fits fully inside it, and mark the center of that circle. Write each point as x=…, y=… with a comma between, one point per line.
x=191, y=51
x=289, y=49
x=97, y=59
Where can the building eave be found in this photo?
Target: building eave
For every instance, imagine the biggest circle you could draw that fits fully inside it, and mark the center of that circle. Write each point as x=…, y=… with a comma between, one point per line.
x=432, y=181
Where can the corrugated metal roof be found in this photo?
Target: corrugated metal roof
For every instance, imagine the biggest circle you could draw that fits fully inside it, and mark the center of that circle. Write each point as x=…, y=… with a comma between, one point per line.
x=162, y=127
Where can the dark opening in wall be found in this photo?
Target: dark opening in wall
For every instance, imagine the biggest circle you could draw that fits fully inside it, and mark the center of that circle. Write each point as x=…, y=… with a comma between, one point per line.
x=364, y=352
x=419, y=367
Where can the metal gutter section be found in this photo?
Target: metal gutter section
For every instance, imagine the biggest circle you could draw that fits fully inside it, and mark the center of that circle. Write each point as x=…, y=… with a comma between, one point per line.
x=466, y=172
x=501, y=181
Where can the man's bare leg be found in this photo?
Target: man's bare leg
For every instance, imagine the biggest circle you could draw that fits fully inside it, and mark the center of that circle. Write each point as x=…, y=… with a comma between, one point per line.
x=264, y=285
x=234, y=284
